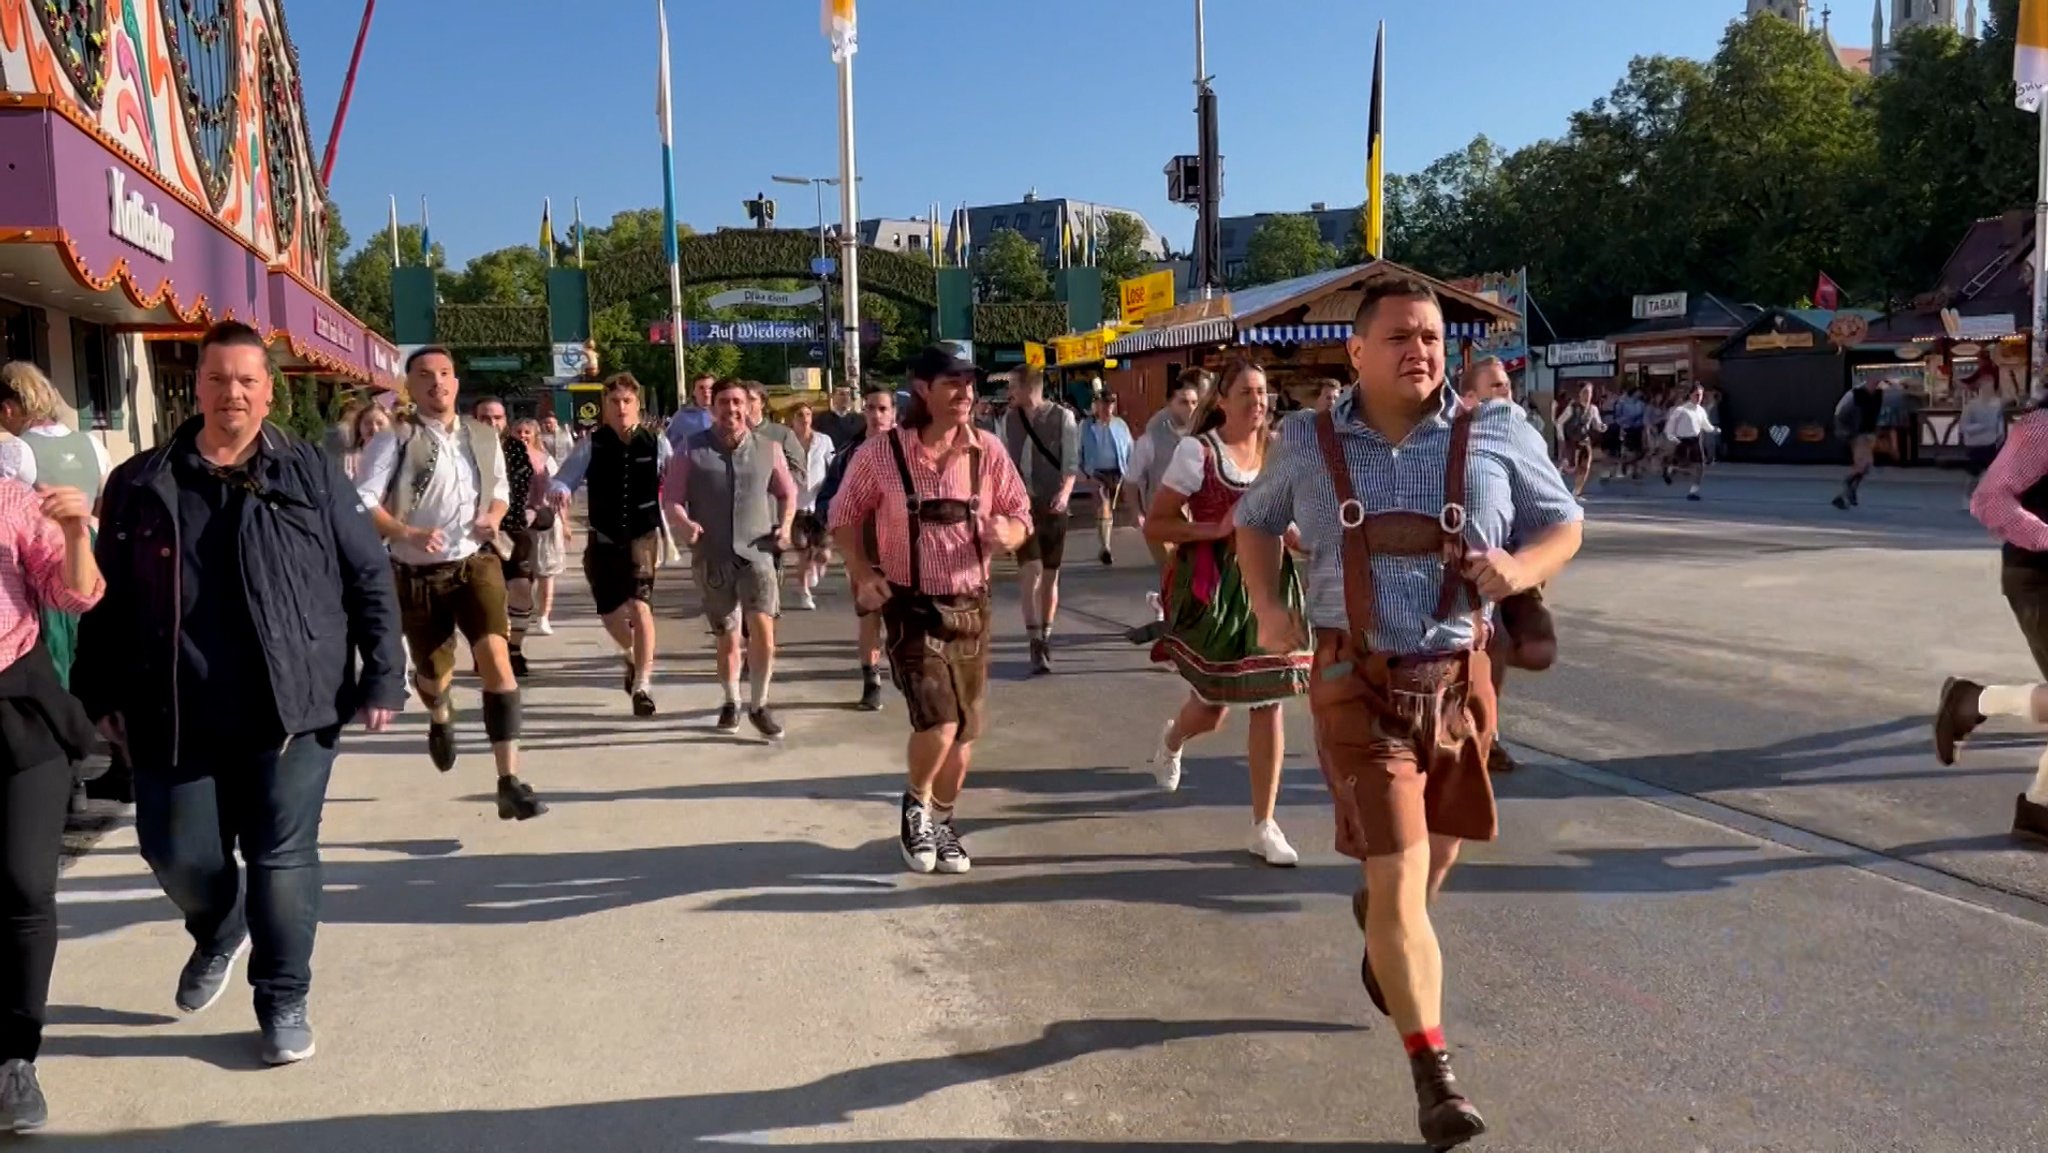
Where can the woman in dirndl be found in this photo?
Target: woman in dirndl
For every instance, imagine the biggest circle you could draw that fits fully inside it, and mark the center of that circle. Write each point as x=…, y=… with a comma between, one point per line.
x=549, y=544
x=1211, y=638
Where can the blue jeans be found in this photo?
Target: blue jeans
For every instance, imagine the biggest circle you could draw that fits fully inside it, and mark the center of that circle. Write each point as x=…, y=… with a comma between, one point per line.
x=190, y=819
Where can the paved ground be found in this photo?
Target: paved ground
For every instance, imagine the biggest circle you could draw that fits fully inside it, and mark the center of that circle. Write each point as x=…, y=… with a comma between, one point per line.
x=1736, y=905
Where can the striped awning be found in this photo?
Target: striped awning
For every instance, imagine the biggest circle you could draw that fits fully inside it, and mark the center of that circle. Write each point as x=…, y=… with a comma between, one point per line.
x=1215, y=330
x=1338, y=333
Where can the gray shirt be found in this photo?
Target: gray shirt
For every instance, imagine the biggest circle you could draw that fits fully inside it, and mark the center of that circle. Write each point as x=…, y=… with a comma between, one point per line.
x=1061, y=435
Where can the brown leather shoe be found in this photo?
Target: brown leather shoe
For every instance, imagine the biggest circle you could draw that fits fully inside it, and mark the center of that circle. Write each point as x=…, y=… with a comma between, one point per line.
x=1372, y=983
x=2030, y=821
x=1956, y=717
x=1447, y=1119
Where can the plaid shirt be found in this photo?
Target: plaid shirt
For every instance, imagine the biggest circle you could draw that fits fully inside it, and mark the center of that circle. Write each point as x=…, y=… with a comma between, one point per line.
x=2020, y=465
x=947, y=552
x=31, y=571
x=1512, y=492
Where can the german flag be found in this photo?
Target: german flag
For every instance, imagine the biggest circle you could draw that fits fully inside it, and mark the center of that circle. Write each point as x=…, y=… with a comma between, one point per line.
x=1376, y=154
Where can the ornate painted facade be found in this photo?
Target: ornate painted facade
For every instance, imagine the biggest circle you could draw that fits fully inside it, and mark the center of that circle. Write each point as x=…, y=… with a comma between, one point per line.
x=204, y=94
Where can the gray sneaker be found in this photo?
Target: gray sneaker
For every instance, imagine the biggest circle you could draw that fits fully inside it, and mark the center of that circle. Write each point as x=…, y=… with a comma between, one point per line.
x=22, y=1108
x=287, y=1035
x=205, y=977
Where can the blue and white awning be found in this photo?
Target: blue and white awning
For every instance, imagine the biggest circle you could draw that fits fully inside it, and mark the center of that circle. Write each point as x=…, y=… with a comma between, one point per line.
x=1337, y=333
x=1212, y=331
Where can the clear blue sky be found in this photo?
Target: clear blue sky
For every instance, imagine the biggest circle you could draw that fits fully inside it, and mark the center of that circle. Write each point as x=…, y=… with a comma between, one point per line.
x=486, y=106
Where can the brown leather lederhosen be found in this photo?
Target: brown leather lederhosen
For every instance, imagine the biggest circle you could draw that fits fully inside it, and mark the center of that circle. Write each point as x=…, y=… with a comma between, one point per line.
x=1403, y=738
x=937, y=645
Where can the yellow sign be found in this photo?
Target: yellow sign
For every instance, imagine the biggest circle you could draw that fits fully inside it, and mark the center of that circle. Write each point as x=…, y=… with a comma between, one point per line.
x=1148, y=295
x=1034, y=355
x=1086, y=348
x=1764, y=342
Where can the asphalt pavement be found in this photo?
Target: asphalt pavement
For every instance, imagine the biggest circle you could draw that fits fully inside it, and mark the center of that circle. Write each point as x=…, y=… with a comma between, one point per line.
x=1735, y=904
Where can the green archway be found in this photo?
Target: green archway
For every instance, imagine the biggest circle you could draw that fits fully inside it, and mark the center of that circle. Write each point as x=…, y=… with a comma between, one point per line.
x=756, y=254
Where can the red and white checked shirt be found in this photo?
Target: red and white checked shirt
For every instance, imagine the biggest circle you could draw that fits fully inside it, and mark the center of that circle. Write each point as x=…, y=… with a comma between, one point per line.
x=946, y=557
x=2021, y=463
x=31, y=571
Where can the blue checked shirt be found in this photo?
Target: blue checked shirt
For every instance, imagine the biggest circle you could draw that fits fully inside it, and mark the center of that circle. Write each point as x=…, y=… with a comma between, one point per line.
x=1512, y=490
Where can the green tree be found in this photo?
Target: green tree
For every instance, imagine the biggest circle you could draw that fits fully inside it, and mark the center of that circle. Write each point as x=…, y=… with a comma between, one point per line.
x=1120, y=254
x=516, y=275
x=363, y=286
x=337, y=241
x=1283, y=247
x=1011, y=269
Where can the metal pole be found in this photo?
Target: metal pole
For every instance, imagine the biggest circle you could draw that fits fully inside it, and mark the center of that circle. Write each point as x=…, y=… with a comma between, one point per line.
x=849, y=229
x=2037, y=386
x=348, y=88
x=1208, y=221
x=818, y=184
x=1201, y=56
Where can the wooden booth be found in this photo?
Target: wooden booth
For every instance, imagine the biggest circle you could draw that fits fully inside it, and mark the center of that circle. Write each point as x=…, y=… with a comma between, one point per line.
x=1780, y=379
x=1295, y=329
x=1671, y=346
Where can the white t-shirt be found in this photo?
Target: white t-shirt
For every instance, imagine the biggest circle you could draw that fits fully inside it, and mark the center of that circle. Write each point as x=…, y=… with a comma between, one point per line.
x=18, y=460
x=1686, y=421
x=816, y=464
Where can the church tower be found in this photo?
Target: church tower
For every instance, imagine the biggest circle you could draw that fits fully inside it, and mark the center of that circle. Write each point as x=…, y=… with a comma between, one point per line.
x=1793, y=10
x=1909, y=14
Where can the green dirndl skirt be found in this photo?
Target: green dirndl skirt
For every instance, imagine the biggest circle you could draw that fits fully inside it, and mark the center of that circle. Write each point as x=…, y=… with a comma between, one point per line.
x=1211, y=634
x=60, y=636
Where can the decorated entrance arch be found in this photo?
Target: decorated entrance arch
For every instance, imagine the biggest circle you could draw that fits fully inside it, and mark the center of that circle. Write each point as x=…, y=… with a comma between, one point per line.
x=758, y=254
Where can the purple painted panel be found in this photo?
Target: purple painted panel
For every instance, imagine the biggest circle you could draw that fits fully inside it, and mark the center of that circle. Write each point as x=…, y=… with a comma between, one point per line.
x=113, y=213
x=317, y=326
x=28, y=197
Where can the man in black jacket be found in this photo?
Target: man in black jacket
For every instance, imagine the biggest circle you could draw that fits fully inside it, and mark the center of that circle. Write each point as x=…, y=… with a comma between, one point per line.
x=244, y=582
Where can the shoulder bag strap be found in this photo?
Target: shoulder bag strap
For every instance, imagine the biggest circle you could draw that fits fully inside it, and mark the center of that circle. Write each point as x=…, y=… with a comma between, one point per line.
x=1052, y=458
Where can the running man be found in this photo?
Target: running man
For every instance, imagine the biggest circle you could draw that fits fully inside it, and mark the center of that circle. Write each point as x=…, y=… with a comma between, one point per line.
x=519, y=529
x=2012, y=501
x=1151, y=456
x=943, y=498
x=436, y=486
x=1857, y=417
x=878, y=411
x=622, y=464
x=1404, y=556
x=1105, y=460
x=731, y=496
x=1044, y=441
x=1579, y=427
x=1686, y=426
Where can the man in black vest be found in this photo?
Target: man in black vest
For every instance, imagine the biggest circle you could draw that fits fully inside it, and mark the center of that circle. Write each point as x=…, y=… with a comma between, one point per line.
x=621, y=464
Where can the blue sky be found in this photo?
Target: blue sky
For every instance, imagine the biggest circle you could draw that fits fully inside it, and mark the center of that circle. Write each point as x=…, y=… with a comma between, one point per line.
x=486, y=106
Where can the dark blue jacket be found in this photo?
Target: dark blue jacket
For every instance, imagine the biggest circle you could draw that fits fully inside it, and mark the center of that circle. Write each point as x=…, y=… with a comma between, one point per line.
x=318, y=580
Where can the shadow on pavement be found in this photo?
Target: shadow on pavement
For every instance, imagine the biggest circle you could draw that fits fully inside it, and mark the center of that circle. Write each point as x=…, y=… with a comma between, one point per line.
x=739, y=1120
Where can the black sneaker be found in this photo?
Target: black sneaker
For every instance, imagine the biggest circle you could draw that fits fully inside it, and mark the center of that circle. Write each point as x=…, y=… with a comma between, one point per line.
x=518, y=660
x=952, y=855
x=22, y=1108
x=643, y=703
x=728, y=718
x=441, y=744
x=516, y=801
x=918, y=840
x=1146, y=633
x=1105, y=558
x=1841, y=502
x=287, y=1034
x=205, y=977
x=871, y=696
x=765, y=723
x=1041, y=657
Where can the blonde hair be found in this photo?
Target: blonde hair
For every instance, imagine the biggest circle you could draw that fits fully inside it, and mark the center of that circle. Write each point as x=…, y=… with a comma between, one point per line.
x=25, y=384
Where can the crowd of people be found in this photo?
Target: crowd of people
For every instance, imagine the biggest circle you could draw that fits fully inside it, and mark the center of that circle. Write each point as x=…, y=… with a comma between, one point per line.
x=251, y=595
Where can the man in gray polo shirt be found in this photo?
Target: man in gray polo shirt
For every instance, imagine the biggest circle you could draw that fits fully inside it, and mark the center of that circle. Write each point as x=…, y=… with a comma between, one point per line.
x=1406, y=502
x=1045, y=442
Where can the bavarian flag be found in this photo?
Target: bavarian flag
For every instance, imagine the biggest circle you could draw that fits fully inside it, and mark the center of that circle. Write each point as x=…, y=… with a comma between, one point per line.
x=1376, y=152
x=547, y=231
x=2030, y=55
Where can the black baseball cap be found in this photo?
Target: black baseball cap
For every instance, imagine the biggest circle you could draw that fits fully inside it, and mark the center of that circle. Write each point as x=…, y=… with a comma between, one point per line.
x=939, y=360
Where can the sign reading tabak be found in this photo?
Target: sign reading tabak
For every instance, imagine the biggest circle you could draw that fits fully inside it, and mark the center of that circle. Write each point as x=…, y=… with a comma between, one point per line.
x=137, y=221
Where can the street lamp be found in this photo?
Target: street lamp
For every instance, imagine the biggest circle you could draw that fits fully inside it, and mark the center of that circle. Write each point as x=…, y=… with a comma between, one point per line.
x=818, y=184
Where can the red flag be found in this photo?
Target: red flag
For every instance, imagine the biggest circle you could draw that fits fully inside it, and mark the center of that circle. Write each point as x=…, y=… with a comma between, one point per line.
x=1827, y=294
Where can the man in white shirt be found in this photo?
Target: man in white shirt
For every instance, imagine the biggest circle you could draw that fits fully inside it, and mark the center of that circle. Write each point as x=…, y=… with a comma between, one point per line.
x=1684, y=425
x=436, y=486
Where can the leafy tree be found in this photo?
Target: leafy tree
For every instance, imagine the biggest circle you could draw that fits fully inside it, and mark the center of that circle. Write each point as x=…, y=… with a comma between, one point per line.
x=1011, y=269
x=1120, y=254
x=337, y=240
x=1283, y=247
x=363, y=286
x=516, y=275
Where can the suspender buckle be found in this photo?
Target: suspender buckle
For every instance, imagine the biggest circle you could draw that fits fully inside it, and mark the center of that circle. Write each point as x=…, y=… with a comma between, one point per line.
x=1351, y=513
x=1452, y=519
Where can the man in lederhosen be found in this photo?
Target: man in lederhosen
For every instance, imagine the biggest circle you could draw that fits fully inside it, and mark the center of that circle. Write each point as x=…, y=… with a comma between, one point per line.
x=1044, y=441
x=622, y=463
x=878, y=416
x=1404, y=498
x=436, y=486
x=944, y=498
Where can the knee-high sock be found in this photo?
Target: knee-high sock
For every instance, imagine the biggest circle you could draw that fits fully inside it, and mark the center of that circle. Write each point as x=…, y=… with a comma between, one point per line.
x=758, y=677
x=2038, y=792
x=520, y=618
x=1102, y=530
x=2008, y=701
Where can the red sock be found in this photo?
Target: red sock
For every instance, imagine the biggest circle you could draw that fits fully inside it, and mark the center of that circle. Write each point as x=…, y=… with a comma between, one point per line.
x=1419, y=1043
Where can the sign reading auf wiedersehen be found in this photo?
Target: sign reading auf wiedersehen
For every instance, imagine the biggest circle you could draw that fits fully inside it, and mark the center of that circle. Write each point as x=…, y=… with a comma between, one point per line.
x=764, y=297
x=1660, y=306
x=758, y=332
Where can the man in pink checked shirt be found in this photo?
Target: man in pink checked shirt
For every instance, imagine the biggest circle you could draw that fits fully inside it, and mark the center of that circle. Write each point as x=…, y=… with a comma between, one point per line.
x=2012, y=501
x=945, y=497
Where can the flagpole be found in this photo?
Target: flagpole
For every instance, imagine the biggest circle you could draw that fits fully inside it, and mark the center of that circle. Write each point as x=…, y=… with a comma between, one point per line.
x=677, y=331
x=426, y=235
x=396, y=260
x=849, y=217
x=2038, y=358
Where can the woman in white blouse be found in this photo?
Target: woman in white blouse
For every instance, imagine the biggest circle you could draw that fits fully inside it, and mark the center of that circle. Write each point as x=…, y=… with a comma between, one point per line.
x=814, y=543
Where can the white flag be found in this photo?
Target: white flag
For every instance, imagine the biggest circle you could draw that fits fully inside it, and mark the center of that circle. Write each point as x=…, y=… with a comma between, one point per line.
x=839, y=28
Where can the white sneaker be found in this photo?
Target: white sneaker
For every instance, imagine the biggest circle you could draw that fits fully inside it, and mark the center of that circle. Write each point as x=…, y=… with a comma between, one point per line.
x=1270, y=845
x=806, y=601
x=1166, y=763
x=541, y=628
